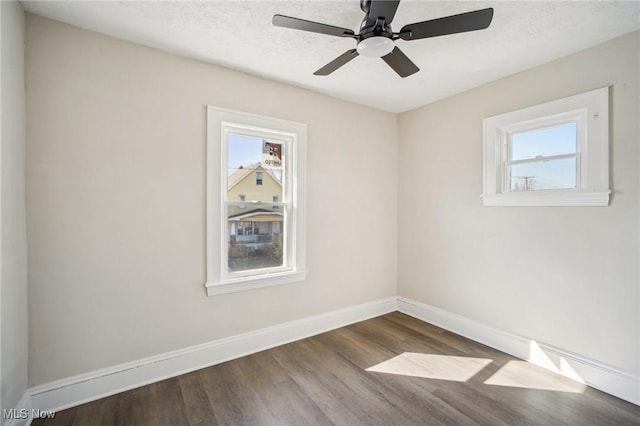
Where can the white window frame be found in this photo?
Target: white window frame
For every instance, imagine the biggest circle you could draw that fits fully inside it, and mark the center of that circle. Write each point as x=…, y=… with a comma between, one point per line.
x=506, y=134
x=590, y=111
x=220, y=123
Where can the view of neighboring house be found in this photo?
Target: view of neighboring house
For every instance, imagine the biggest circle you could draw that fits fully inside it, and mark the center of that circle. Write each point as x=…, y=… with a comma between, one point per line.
x=254, y=216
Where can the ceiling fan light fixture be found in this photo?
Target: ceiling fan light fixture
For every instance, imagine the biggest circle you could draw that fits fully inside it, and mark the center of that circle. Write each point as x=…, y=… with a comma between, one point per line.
x=375, y=47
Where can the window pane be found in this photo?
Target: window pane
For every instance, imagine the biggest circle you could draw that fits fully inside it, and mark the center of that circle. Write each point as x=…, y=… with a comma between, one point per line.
x=255, y=224
x=544, y=142
x=553, y=174
x=255, y=236
x=251, y=172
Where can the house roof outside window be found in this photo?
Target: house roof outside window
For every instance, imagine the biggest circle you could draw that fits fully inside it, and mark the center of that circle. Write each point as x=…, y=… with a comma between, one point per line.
x=241, y=173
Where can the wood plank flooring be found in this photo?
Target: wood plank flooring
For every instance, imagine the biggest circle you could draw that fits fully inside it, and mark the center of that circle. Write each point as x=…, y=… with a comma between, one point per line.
x=432, y=377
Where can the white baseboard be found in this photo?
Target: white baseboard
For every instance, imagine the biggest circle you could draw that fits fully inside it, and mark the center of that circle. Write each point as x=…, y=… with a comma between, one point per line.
x=22, y=414
x=596, y=374
x=87, y=387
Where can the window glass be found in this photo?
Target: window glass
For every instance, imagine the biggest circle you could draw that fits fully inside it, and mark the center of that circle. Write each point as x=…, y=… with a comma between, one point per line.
x=547, y=142
x=255, y=226
x=542, y=175
x=544, y=158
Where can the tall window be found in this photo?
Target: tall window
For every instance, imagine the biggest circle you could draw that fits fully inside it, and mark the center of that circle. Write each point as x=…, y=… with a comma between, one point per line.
x=553, y=154
x=254, y=229
x=255, y=204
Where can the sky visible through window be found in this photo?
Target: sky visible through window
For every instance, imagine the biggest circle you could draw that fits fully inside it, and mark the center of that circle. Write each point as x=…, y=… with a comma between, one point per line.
x=546, y=142
x=552, y=174
x=242, y=151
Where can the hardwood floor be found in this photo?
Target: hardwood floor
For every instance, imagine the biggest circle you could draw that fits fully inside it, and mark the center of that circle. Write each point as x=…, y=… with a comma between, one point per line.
x=432, y=377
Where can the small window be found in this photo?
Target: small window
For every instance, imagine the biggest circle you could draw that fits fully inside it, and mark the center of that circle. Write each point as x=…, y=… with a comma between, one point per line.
x=254, y=238
x=554, y=154
x=543, y=159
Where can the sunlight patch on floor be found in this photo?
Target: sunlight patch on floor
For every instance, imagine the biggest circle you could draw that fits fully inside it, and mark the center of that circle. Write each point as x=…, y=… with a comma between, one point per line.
x=431, y=366
x=523, y=374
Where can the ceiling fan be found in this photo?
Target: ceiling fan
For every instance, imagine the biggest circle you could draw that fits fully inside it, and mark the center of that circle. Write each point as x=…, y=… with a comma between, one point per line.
x=376, y=39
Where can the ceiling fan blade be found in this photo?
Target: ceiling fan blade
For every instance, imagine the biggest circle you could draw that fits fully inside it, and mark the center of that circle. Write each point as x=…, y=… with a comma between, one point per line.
x=337, y=62
x=470, y=21
x=314, y=27
x=382, y=8
x=400, y=63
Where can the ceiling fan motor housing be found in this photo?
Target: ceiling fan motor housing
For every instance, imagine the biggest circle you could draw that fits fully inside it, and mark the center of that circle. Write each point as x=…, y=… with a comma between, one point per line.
x=379, y=28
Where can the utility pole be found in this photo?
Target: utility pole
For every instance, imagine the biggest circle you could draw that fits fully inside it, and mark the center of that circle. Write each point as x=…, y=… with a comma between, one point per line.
x=528, y=182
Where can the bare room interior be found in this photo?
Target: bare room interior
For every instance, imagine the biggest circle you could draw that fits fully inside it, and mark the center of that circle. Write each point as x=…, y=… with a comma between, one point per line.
x=320, y=212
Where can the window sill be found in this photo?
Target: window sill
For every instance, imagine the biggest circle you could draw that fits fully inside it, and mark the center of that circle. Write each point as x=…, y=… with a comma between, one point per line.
x=250, y=283
x=555, y=198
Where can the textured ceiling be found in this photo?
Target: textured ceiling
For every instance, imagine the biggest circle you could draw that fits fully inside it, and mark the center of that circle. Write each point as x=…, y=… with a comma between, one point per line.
x=238, y=34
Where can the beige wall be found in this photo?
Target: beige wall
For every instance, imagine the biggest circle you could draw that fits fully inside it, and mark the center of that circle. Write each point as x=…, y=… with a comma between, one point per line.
x=563, y=276
x=13, y=269
x=116, y=202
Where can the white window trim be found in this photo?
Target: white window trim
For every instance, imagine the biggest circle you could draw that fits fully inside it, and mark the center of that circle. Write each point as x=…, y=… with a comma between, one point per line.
x=219, y=123
x=591, y=111
x=505, y=133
